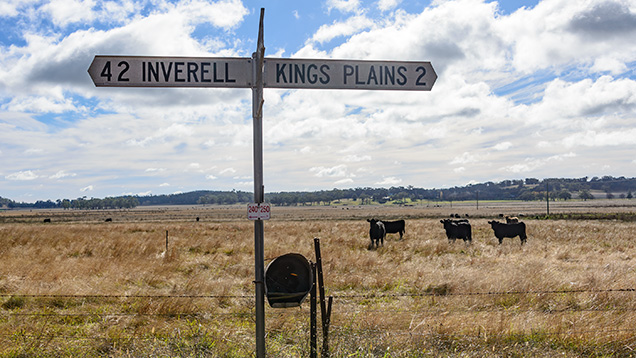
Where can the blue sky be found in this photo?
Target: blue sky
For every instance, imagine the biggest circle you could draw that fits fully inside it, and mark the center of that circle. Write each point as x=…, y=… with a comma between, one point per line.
x=525, y=89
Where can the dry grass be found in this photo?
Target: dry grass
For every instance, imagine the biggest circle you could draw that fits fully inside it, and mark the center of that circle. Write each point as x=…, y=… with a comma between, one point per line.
x=114, y=290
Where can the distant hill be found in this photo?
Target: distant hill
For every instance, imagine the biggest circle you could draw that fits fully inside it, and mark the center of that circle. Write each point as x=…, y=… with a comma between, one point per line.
x=520, y=189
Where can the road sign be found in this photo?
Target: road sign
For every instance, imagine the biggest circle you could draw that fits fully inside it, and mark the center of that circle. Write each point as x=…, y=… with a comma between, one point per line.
x=348, y=74
x=236, y=72
x=256, y=73
x=147, y=71
x=258, y=211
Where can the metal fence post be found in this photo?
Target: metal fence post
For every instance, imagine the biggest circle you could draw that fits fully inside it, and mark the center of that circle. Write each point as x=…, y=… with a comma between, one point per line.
x=259, y=260
x=313, y=345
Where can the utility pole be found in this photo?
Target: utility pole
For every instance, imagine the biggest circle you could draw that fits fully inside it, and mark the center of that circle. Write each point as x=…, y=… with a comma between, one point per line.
x=477, y=199
x=547, y=197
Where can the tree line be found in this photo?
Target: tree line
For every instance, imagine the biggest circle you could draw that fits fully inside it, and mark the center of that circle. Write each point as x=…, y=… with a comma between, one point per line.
x=528, y=189
x=121, y=202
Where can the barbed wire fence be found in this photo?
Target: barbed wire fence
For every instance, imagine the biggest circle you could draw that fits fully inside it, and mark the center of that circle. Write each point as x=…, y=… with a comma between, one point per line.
x=351, y=312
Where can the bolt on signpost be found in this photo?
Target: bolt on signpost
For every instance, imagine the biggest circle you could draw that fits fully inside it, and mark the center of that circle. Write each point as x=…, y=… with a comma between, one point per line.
x=259, y=72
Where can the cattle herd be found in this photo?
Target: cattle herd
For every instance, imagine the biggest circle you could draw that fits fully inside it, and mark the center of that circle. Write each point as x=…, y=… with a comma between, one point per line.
x=455, y=229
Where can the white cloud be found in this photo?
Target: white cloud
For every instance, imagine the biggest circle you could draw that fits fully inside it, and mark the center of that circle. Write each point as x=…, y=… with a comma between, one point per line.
x=596, y=139
x=343, y=5
x=502, y=146
x=64, y=12
x=465, y=158
x=386, y=181
x=531, y=164
x=336, y=171
x=354, y=158
x=351, y=26
x=225, y=13
x=87, y=188
x=306, y=150
x=10, y=8
x=21, y=176
x=385, y=5
x=62, y=174
x=611, y=65
x=557, y=32
x=228, y=171
x=174, y=131
x=346, y=181
x=33, y=151
x=566, y=101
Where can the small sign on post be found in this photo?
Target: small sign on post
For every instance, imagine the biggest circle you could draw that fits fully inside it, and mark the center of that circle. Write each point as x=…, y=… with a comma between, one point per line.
x=260, y=211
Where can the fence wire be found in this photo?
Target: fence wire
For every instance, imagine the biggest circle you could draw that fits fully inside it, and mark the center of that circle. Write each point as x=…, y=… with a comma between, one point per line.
x=338, y=296
x=340, y=311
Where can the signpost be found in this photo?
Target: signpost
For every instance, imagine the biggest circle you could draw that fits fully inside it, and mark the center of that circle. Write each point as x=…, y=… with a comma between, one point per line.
x=348, y=74
x=150, y=71
x=257, y=73
x=147, y=71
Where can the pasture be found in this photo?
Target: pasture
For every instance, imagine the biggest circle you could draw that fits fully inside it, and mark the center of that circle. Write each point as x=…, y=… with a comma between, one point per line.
x=80, y=286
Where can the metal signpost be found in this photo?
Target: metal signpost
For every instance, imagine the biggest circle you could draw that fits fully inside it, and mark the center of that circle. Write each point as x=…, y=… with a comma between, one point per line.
x=259, y=72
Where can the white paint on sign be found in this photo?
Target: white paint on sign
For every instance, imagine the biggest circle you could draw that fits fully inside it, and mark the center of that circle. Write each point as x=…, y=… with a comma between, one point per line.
x=260, y=211
x=348, y=74
x=148, y=71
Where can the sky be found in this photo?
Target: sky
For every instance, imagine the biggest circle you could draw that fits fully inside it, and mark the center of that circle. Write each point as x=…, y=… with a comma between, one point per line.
x=525, y=89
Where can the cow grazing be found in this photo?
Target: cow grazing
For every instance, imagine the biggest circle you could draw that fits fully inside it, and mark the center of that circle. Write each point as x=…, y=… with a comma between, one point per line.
x=458, y=229
x=47, y=220
x=511, y=219
x=395, y=227
x=108, y=220
x=509, y=230
x=377, y=232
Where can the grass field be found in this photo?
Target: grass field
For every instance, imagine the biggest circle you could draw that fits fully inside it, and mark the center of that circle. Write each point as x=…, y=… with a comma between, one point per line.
x=80, y=286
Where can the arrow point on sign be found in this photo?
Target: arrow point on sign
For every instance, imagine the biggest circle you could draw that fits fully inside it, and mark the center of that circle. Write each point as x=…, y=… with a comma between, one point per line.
x=93, y=71
x=434, y=76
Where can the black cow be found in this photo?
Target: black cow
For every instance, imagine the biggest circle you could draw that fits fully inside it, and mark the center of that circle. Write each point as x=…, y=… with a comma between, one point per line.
x=509, y=230
x=395, y=227
x=108, y=220
x=47, y=220
x=458, y=229
x=377, y=232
